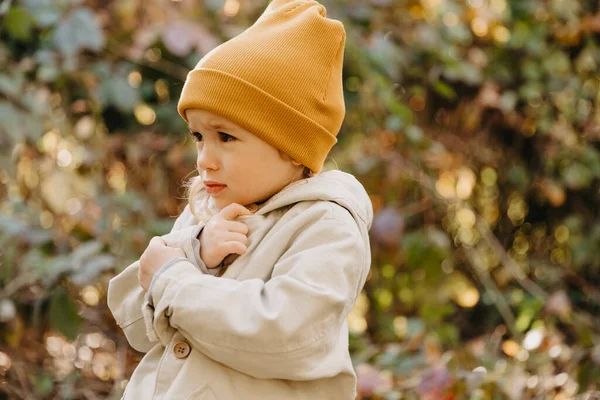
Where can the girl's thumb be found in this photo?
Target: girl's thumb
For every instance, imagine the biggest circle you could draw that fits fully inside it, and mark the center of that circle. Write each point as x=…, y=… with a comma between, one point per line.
x=158, y=240
x=233, y=210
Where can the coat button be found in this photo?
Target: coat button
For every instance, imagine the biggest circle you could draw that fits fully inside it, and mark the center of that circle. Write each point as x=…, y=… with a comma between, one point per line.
x=181, y=349
x=252, y=207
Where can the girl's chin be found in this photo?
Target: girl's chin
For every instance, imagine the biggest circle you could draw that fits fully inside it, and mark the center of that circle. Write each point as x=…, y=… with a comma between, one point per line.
x=221, y=203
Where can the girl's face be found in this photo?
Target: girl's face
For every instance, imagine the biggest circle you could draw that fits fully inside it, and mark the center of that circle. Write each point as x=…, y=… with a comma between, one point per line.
x=251, y=169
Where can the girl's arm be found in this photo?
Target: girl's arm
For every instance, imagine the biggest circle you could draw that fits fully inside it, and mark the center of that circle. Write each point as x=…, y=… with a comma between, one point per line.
x=284, y=328
x=125, y=296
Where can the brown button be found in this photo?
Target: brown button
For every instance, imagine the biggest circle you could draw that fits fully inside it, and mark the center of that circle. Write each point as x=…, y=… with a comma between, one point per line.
x=252, y=207
x=181, y=349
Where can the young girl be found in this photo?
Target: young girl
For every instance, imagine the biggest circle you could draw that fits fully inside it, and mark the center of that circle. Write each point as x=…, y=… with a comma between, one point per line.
x=247, y=296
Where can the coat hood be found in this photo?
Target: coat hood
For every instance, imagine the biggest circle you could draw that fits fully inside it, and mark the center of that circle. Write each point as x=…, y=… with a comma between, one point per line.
x=334, y=185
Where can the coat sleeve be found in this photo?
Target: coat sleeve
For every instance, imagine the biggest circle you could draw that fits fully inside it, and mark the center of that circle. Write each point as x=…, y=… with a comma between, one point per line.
x=125, y=296
x=281, y=329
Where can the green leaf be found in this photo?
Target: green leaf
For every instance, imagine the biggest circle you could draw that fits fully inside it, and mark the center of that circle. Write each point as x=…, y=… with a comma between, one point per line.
x=531, y=69
x=214, y=5
x=460, y=34
x=52, y=269
x=12, y=85
x=5, y=6
x=81, y=30
x=471, y=74
x=43, y=383
x=518, y=176
x=532, y=90
x=9, y=120
x=434, y=313
x=520, y=34
x=117, y=91
x=414, y=134
x=591, y=157
x=383, y=53
x=444, y=89
x=588, y=374
x=508, y=101
x=396, y=107
x=528, y=309
x=45, y=12
x=36, y=107
x=577, y=176
x=18, y=23
x=421, y=253
x=47, y=73
x=86, y=250
x=92, y=268
x=63, y=314
x=18, y=124
x=394, y=123
x=415, y=327
x=463, y=71
x=448, y=334
x=12, y=226
x=557, y=63
x=102, y=69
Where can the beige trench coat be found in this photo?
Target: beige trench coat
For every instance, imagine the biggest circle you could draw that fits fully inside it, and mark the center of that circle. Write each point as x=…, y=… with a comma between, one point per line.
x=274, y=325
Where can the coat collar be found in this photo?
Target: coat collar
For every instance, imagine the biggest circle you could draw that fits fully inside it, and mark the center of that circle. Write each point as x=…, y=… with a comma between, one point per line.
x=334, y=185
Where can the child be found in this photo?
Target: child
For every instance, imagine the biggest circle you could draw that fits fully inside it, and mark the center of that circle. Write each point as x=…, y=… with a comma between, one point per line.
x=247, y=296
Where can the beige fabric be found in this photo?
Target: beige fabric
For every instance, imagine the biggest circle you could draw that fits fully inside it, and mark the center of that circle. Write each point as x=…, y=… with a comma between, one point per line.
x=274, y=325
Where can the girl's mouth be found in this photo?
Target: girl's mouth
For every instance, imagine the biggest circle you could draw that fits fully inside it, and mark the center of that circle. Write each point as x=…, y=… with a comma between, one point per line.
x=214, y=189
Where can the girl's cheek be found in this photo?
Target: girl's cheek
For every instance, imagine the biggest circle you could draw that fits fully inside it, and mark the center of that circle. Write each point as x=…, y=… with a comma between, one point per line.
x=236, y=163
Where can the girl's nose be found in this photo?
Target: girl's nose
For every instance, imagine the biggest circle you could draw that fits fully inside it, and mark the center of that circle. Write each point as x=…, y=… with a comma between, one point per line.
x=207, y=159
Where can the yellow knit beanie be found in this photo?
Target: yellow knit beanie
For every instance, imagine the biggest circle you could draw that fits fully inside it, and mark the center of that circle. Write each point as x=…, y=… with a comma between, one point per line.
x=280, y=79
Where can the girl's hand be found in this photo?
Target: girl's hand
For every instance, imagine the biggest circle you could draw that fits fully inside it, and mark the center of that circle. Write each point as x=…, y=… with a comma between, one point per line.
x=222, y=236
x=155, y=256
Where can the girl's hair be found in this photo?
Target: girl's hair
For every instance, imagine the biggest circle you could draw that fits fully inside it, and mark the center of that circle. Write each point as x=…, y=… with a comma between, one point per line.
x=194, y=186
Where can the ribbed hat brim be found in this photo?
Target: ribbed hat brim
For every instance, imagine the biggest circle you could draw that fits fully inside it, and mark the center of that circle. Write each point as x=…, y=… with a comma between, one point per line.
x=258, y=112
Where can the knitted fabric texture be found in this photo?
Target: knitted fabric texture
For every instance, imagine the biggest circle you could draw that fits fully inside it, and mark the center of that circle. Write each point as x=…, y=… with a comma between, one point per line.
x=280, y=79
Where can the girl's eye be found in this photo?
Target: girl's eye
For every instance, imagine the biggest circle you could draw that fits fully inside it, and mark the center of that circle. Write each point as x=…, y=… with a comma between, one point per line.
x=197, y=136
x=224, y=137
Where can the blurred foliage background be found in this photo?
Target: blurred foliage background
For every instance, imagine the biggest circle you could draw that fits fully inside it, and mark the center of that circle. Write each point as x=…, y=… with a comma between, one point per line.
x=473, y=124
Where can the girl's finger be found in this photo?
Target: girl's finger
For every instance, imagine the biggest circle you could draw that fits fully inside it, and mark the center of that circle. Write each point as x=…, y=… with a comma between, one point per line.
x=236, y=237
x=234, y=247
x=236, y=226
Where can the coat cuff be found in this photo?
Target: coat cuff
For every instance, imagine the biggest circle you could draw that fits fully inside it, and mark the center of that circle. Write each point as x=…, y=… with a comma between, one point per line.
x=196, y=250
x=157, y=324
x=148, y=303
x=168, y=282
x=187, y=240
x=201, y=265
x=147, y=296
